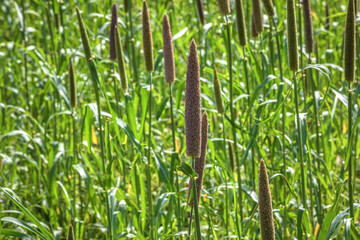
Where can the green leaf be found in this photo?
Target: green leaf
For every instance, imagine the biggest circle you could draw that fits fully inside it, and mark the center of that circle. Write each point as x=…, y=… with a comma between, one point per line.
x=187, y=170
x=161, y=108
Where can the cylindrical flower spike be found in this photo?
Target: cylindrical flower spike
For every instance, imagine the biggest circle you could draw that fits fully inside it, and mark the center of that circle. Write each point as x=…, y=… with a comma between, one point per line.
x=254, y=33
x=327, y=16
x=113, y=24
x=240, y=22
x=200, y=162
x=292, y=36
x=72, y=84
x=200, y=8
x=217, y=92
x=265, y=206
x=120, y=60
x=147, y=39
x=349, y=43
x=269, y=7
x=193, y=104
x=224, y=7
x=84, y=36
x=126, y=5
x=70, y=235
x=308, y=28
x=169, y=63
x=258, y=18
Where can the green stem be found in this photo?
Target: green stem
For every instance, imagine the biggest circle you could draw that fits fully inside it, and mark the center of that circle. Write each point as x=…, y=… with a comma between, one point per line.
x=282, y=129
x=148, y=167
x=195, y=203
x=226, y=178
x=351, y=200
x=173, y=158
x=233, y=117
x=303, y=182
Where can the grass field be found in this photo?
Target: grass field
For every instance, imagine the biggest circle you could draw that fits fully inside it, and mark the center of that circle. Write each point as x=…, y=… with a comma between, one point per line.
x=107, y=118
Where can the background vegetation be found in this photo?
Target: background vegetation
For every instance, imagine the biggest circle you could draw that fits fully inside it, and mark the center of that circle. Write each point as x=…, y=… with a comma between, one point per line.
x=56, y=172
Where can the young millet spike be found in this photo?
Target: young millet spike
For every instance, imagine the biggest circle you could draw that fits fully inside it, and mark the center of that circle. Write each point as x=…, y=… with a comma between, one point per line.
x=70, y=235
x=200, y=162
x=265, y=206
x=308, y=28
x=269, y=7
x=240, y=22
x=217, y=92
x=224, y=7
x=84, y=36
x=147, y=39
x=254, y=33
x=292, y=36
x=72, y=84
x=113, y=24
x=169, y=63
x=193, y=104
x=258, y=18
x=349, y=43
x=120, y=60
x=200, y=8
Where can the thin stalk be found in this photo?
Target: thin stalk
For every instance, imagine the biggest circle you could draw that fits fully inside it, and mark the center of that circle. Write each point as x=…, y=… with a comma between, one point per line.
x=303, y=193
x=148, y=170
x=317, y=143
x=282, y=129
x=102, y=152
x=226, y=178
x=351, y=197
x=74, y=158
x=196, y=207
x=233, y=117
x=173, y=158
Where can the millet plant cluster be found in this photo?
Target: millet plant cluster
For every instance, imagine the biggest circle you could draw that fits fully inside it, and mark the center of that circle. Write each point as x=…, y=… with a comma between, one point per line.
x=242, y=125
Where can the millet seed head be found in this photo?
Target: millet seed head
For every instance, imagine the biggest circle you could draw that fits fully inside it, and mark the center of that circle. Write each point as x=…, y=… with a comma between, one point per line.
x=169, y=63
x=193, y=104
x=269, y=7
x=84, y=36
x=240, y=22
x=217, y=92
x=349, y=43
x=147, y=39
x=224, y=7
x=308, y=28
x=200, y=9
x=267, y=227
x=200, y=162
x=258, y=18
x=113, y=24
x=292, y=36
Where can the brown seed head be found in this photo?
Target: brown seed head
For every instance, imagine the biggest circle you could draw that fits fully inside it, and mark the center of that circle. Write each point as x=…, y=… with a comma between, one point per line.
x=265, y=206
x=349, y=43
x=193, y=104
x=327, y=16
x=269, y=7
x=120, y=60
x=217, y=92
x=114, y=16
x=126, y=5
x=200, y=162
x=224, y=7
x=169, y=63
x=240, y=22
x=147, y=39
x=84, y=36
x=258, y=18
x=308, y=28
x=200, y=9
x=254, y=33
x=292, y=36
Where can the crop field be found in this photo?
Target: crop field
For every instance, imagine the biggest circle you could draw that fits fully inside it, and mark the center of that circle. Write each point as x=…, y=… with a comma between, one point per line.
x=171, y=119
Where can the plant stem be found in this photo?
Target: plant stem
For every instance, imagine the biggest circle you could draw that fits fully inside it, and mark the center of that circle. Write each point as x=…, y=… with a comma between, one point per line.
x=173, y=158
x=303, y=182
x=233, y=117
x=148, y=170
x=195, y=202
x=351, y=200
x=116, y=91
x=226, y=178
